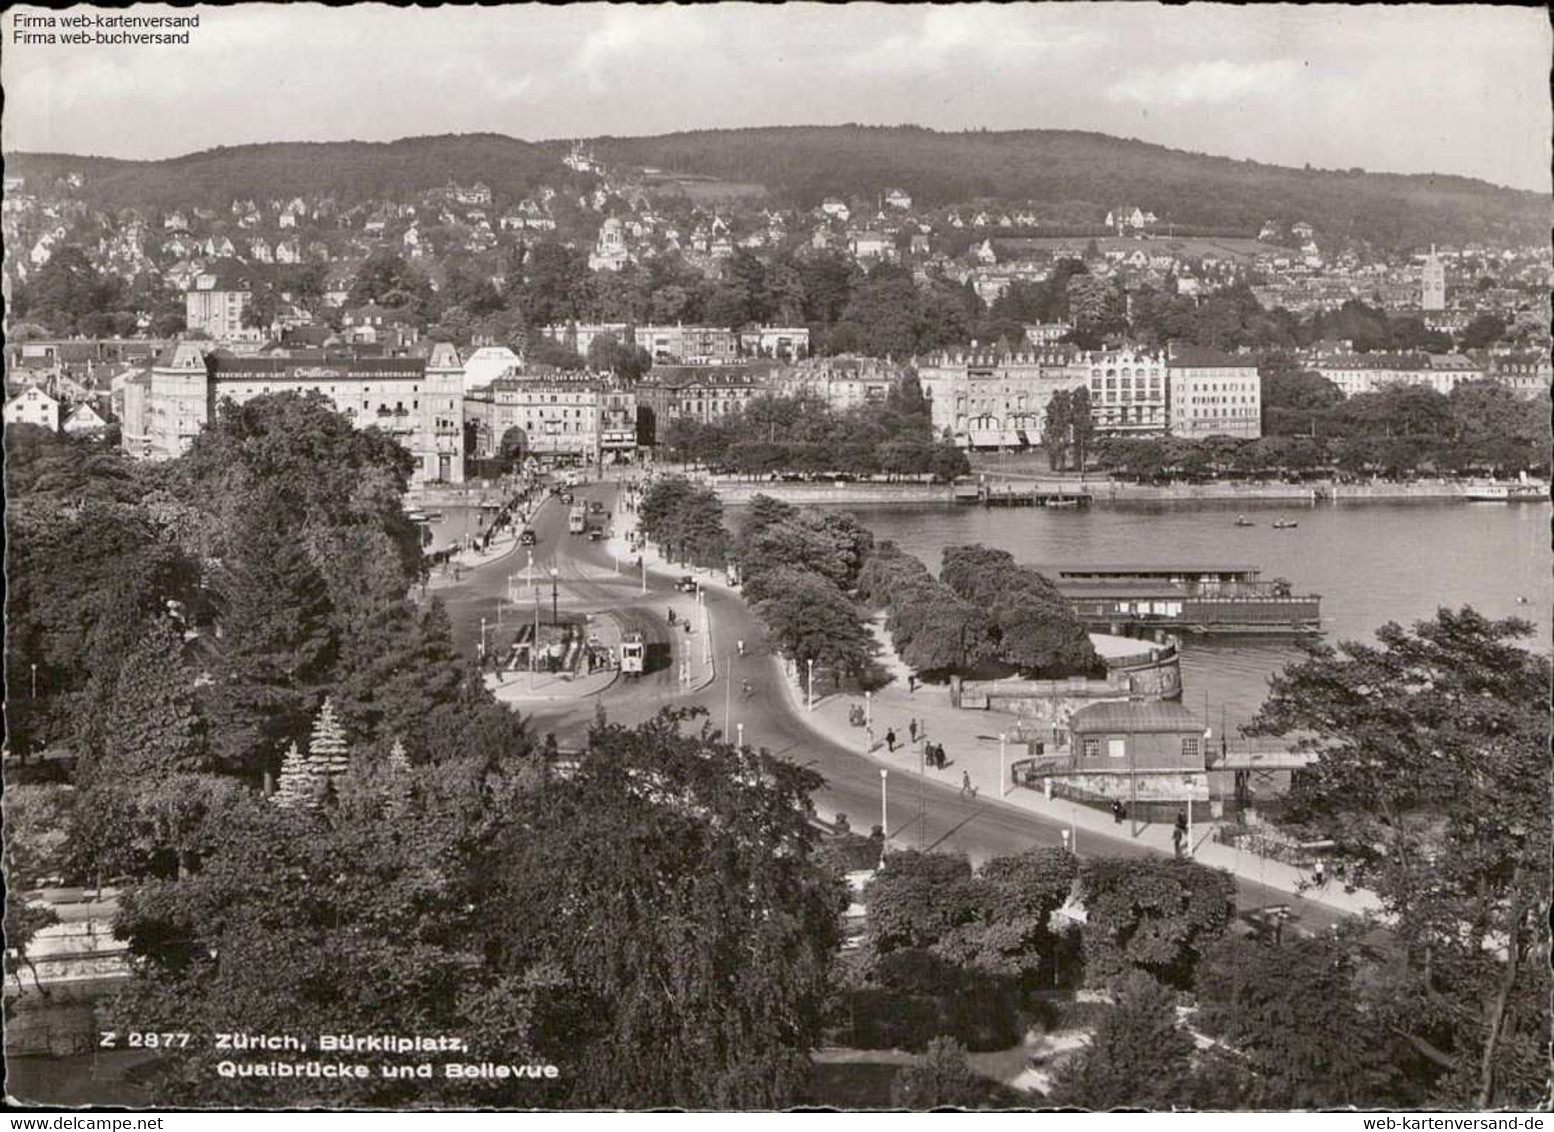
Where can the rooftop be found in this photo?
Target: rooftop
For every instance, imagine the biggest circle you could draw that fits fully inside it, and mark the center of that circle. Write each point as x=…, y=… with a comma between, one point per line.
x=1144, y=717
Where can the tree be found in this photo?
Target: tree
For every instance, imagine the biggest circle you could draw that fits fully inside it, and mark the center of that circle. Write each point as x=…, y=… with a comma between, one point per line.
x=297, y=785
x=1138, y=1057
x=1304, y=1037
x=1034, y=627
x=1151, y=915
x=809, y=620
x=708, y=990
x=152, y=726
x=940, y=1078
x=1426, y=744
x=1055, y=426
x=328, y=752
x=1484, y=331
x=1081, y=423
x=283, y=917
x=277, y=648
x=37, y=819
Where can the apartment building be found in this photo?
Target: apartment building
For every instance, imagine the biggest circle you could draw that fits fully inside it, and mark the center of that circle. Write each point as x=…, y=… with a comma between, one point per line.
x=1212, y=394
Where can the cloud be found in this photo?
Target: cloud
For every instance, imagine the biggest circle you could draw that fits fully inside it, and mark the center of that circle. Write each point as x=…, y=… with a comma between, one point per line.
x=1212, y=82
x=627, y=33
x=978, y=35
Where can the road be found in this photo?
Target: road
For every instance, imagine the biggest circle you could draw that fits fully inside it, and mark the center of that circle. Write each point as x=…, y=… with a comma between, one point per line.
x=920, y=813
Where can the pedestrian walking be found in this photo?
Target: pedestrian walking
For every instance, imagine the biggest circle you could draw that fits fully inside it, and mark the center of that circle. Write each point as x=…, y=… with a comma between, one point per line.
x=966, y=788
x=912, y=729
x=890, y=740
x=1117, y=813
x=911, y=684
x=938, y=754
x=1319, y=874
x=1176, y=840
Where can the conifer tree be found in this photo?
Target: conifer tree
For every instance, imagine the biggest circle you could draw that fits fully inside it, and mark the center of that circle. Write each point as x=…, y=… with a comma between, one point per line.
x=328, y=754
x=297, y=786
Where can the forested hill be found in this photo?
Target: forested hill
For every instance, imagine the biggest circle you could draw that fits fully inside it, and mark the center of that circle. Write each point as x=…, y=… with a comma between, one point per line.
x=1075, y=177
x=351, y=171
x=1067, y=177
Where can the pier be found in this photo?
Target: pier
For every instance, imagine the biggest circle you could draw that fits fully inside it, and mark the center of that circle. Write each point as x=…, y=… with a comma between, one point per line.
x=1008, y=495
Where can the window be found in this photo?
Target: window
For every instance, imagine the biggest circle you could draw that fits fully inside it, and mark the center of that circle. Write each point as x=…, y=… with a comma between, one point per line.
x=1190, y=751
x=1116, y=748
x=1092, y=748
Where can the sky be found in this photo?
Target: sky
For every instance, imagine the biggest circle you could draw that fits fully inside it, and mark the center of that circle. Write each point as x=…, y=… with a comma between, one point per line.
x=1395, y=88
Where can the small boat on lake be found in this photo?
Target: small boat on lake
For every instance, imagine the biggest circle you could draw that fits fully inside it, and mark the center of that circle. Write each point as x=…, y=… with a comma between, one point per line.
x=1285, y=524
x=1243, y=521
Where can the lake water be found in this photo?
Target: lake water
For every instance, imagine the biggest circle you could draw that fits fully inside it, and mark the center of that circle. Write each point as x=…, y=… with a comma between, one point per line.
x=1372, y=563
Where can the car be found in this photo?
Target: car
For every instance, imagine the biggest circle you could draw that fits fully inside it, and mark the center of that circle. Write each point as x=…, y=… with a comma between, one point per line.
x=528, y=538
x=595, y=534
x=686, y=584
x=596, y=508
x=566, y=497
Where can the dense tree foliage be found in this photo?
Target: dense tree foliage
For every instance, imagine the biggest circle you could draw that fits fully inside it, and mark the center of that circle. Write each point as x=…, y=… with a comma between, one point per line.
x=1032, y=627
x=685, y=521
x=1052, y=167
x=798, y=568
x=1399, y=430
x=1151, y=915
x=942, y=1078
x=1302, y=1032
x=1432, y=779
x=933, y=628
x=804, y=435
x=1139, y=1056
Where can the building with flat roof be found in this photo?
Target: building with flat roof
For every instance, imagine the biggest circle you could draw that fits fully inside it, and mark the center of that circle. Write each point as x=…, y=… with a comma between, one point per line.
x=1211, y=393
x=557, y=418
x=415, y=400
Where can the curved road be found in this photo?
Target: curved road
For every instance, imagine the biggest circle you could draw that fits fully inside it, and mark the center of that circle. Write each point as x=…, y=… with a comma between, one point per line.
x=922, y=813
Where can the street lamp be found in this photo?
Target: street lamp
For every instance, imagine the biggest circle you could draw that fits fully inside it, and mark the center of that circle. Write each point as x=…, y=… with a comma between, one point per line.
x=34, y=681
x=884, y=810
x=554, y=575
x=811, y=706
x=1002, y=774
x=528, y=572
x=482, y=640
x=741, y=728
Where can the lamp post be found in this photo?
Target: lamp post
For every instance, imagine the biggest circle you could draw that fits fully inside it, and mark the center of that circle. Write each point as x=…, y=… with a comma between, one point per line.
x=1002, y=772
x=482, y=640
x=644, y=573
x=811, y=702
x=884, y=810
x=555, y=574
x=528, y=572
x=34, y=681
x=741, y=728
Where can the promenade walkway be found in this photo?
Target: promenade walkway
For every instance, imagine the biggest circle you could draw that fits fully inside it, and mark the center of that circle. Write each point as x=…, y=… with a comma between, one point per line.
x=972, y=749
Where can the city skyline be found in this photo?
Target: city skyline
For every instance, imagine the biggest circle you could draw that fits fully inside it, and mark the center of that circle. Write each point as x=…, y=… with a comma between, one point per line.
x=1454, y=91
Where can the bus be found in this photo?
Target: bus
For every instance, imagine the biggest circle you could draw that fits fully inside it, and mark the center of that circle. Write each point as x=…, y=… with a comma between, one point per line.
x=578, y=521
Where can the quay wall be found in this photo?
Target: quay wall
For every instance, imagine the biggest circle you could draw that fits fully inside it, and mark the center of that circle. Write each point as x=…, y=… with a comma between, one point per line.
x=850, y=494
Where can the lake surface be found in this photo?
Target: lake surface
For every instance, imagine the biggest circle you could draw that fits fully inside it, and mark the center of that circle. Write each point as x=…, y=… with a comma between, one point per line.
x=1372, y=563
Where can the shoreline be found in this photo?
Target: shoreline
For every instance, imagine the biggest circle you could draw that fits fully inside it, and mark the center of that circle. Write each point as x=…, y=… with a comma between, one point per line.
x=1103, y=494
